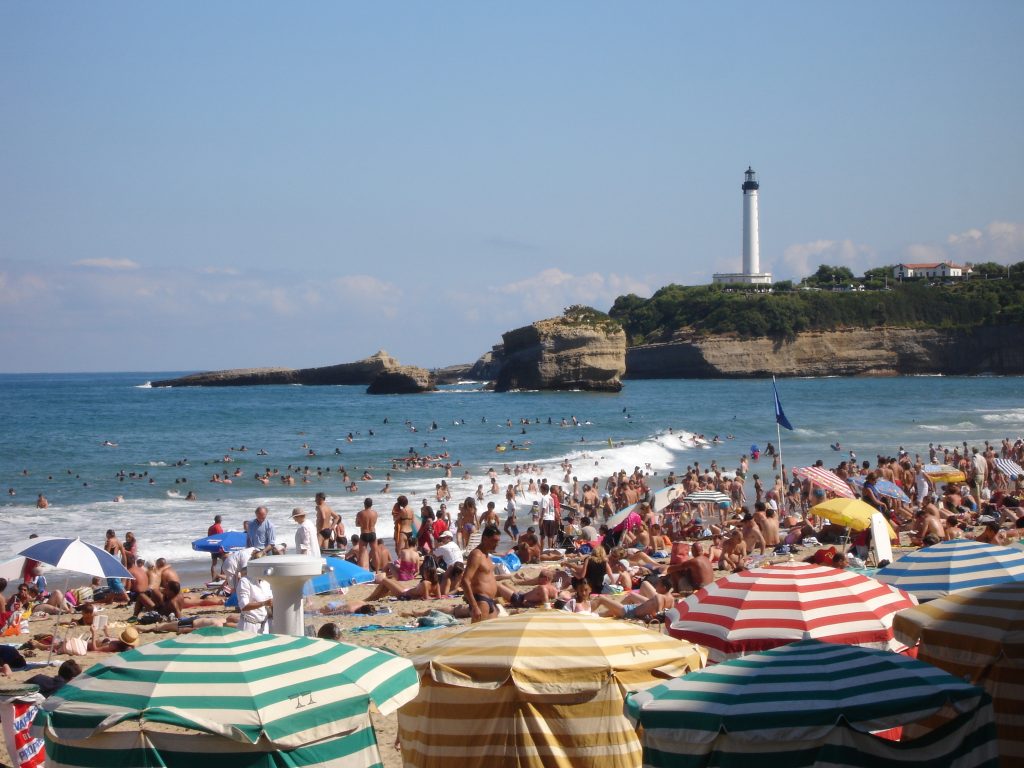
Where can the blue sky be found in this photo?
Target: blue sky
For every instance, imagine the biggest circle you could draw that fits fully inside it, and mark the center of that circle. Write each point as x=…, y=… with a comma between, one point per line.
x=196, y=186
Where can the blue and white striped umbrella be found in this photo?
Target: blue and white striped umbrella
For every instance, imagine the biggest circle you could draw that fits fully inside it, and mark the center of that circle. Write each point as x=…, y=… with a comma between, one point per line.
x=885, y=488
x=948, y=566
x=1009, y=468
x=76, y=555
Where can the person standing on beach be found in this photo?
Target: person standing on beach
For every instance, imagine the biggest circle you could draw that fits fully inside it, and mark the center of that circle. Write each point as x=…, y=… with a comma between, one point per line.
x=306, y=540
x=403, y=517
x=254, y=597
x=260, y=533
x=366, y=521
x=546, y=518
x=481, y=586
x=215, y=530
x=326, y=520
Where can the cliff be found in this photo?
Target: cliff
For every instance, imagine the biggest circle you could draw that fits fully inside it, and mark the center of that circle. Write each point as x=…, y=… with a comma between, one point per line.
x=404, y=380
x=583, y=349
x=360, y=372
x=853, y=352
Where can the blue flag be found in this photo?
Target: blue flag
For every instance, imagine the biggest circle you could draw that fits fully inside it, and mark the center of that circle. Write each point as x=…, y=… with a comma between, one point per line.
x=780, y=417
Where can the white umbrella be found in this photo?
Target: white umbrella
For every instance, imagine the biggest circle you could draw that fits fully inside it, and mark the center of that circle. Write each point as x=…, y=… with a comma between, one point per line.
x=76, y=555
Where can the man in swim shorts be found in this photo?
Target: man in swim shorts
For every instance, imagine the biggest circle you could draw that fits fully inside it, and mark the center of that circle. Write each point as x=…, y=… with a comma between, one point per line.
x=366, y=520
x=326, y=520
x=480, y=585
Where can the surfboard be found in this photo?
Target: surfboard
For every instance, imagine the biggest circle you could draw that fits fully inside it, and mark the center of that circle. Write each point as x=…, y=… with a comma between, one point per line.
x=880, y=544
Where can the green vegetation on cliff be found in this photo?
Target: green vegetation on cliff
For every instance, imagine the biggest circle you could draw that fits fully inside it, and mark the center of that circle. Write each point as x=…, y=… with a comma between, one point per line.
x=988, y=298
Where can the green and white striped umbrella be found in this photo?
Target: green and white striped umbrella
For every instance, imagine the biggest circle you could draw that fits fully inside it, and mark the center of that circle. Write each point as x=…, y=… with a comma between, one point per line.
x=814, y=703
x=273, y=694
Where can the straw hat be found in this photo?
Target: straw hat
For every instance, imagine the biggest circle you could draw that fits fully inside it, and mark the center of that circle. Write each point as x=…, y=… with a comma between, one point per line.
x=298, y=512
x=130, y=637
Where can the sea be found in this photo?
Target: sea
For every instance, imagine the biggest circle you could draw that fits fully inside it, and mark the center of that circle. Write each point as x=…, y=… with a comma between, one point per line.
x=109, y=451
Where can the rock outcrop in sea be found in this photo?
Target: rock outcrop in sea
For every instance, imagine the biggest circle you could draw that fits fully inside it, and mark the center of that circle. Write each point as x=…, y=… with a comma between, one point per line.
x=404, y=380
x=360, y=372
x=582, y=350
x=853, y=352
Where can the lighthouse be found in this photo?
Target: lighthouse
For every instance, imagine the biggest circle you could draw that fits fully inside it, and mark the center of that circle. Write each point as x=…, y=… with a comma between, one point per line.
x=751, y=274
x=751, y=252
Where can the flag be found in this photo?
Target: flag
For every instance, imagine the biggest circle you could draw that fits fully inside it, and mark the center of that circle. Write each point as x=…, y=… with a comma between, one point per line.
x=780, y=417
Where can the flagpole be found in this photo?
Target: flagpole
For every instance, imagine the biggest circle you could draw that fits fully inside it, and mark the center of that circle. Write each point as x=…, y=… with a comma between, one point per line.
x=778, y=431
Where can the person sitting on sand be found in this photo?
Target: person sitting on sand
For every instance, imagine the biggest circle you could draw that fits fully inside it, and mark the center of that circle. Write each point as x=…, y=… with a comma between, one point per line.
x=580, y=601
x=544, y=592
x=694, y=572
x=426, y=589
x=527, y=549
x=648, y=609
x=408, y=565
x=734, y=552
x=595, y=569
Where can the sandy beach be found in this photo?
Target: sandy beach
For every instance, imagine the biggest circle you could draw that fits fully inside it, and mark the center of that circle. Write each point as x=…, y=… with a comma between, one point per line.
x=403, y=643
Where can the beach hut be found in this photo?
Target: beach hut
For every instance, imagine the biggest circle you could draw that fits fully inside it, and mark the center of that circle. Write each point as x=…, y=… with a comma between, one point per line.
x=815, y=704
x=978, y=634
x=766, y=607
x=227, y=698
x=541, y=688
x=935, y=571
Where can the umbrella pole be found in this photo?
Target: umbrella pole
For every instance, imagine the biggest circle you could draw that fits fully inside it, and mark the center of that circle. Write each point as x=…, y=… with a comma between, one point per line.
x=60, y=615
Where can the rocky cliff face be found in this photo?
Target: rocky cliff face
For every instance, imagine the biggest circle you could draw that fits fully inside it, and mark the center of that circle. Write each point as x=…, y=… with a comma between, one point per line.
x=854, y=352
x=562, y=353
x=360, y=372
x=404, y=380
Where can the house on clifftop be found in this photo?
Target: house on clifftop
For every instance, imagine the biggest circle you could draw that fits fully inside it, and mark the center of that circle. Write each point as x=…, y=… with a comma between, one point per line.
x=941, y=269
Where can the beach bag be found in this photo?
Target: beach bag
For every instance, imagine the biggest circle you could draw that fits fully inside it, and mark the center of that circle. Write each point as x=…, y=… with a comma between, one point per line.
x=436, y=619
x=150, y=617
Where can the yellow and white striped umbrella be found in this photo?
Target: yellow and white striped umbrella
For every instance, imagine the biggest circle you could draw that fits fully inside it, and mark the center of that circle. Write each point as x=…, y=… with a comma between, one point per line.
x=978, y=634
x=541, y=688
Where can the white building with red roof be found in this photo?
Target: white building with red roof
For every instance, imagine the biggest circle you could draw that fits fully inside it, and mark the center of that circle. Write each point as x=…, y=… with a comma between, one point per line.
x=940, y=269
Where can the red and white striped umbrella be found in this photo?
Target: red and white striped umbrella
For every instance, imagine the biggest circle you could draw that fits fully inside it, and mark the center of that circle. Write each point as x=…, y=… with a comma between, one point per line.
x=822, y=478
x=763, y=608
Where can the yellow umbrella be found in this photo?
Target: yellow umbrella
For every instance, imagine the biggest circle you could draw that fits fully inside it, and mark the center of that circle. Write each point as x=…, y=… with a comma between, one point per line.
x=850, y=513
x=541, y=688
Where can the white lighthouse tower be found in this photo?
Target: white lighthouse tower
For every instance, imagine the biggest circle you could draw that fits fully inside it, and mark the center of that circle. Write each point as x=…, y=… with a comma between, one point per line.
x=751, y=274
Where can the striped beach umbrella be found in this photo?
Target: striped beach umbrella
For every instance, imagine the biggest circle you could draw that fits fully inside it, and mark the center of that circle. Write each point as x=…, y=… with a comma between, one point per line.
x=978, y=635
x=823, y=478
x=707, y=497
x=248, y=700
x=945, y=567
x=943, y=473
x=766, y=607
x=886, y=488
x=1009, y=468
x=541, y=688
x=814, y=704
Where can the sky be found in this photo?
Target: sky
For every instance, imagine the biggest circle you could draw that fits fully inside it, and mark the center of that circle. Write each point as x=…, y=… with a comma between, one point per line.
x=240, y=184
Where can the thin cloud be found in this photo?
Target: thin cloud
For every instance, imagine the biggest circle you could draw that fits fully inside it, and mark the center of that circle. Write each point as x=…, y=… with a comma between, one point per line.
x=107, y=263
x=803, y=259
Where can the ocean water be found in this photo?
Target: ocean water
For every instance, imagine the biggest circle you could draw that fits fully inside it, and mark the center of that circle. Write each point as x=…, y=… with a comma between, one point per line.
x=170, y=441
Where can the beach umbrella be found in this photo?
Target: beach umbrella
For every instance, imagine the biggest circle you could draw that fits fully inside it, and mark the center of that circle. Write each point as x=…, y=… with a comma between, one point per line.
x=707, y=497
x=885, y=488
x=664, y=497
x=823, y=478
x=242, y=700
x=220, y=542
x=541, y=688
x=815, y=704
x=1009, y=468
x=943, y=473
x=12, y=569
x=766, y=607
x=77, y=556
x=850, y=513
x=621, y=516
x=948, y=566
x=978, y=635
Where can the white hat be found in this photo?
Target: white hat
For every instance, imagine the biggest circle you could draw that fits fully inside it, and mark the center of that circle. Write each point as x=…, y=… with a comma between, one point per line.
x=445, y=534
x=298, y=512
